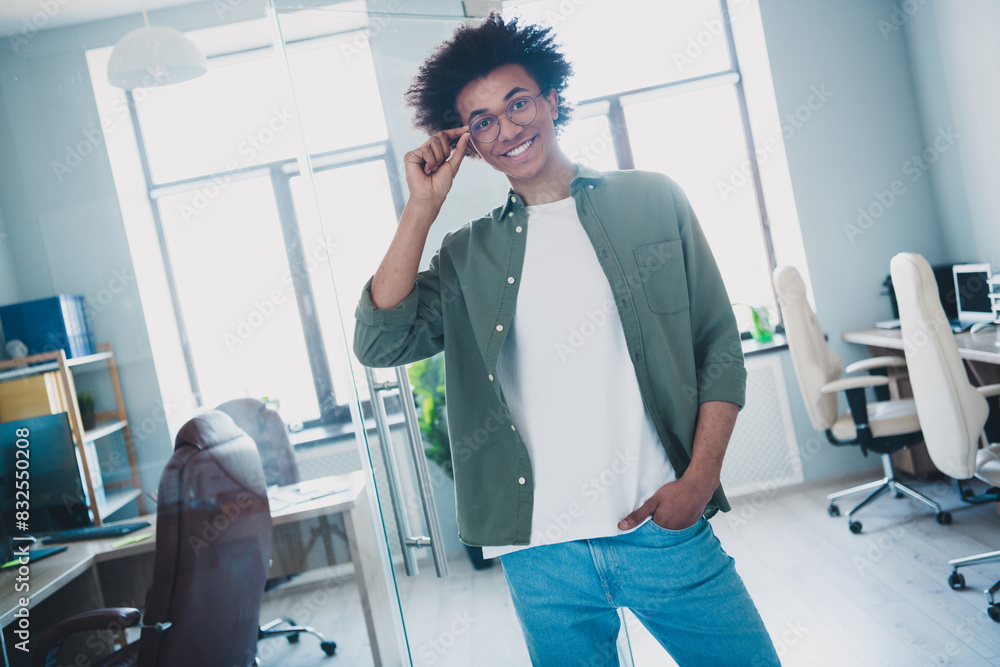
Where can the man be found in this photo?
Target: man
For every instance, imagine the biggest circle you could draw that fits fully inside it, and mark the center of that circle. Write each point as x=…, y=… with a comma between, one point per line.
x=593, y=365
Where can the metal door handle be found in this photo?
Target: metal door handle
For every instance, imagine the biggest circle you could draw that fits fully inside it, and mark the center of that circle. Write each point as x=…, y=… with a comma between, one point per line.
x=423, y=477
x=408, y=542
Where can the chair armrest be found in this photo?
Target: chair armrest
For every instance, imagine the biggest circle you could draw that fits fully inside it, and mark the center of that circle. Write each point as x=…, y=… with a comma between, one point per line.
x=112, y=619
x=876, y=362
x=861, y=381
x=989, y=390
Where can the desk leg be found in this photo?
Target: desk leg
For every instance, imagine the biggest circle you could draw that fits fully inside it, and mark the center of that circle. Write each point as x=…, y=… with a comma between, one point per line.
x=380, y=604
x=99, y=590
x=326, y=528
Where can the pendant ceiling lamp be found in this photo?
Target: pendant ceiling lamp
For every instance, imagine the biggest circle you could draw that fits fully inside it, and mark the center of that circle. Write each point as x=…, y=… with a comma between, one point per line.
x=154, y=56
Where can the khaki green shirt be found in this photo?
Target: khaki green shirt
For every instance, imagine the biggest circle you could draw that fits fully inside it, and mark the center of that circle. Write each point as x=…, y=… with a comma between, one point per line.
x=679, y=327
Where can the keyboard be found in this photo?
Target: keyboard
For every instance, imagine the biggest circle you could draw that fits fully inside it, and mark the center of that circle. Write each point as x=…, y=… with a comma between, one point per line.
x=95, y=532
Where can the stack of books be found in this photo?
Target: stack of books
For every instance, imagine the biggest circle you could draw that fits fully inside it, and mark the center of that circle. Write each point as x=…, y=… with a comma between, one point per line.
x=45, y=325
x=32, y=396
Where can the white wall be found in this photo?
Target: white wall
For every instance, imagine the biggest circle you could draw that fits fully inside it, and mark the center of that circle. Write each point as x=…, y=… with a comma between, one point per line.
x=9, y=291
x=955, y=59
x=845, y=153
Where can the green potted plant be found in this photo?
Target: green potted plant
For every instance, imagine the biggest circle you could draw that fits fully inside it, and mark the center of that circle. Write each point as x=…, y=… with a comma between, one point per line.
x=427, y=378
x=87, y=414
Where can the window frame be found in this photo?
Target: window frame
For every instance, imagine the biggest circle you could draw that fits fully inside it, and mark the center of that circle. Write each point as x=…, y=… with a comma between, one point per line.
x=279, y=173
x=611, y=108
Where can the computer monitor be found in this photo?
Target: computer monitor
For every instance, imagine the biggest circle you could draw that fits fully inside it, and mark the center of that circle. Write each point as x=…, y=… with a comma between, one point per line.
x=56, y=498
x=972, y=291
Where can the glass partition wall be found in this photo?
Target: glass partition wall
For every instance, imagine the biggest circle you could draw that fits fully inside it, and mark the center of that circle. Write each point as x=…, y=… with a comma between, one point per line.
x=239, y=214
x=348, y=64
x=343, y=66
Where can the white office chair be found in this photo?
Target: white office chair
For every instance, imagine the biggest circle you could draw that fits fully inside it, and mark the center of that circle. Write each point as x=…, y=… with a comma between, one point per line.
x=952, y=411
x=883, y=427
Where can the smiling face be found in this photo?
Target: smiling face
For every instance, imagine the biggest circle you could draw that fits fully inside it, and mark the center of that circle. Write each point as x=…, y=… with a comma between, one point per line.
x=526, y=154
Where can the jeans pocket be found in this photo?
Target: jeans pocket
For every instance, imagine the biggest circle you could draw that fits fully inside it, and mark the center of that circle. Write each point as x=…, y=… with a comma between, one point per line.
x=676, y=533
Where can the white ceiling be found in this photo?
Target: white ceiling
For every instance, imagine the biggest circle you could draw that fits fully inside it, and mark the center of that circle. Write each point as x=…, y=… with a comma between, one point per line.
x=45, y=14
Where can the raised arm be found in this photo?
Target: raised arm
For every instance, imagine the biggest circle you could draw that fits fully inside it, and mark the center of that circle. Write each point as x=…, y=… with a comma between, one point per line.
x=399, y=313
x=430, y=173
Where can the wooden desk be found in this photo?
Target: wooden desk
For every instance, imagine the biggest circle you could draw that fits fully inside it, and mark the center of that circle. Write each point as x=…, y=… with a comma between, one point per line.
x=981, y=353
x=980, y=350
x=77, y=568
x=983, y=346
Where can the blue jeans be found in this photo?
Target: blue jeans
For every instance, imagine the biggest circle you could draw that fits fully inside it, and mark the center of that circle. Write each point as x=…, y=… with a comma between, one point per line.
x=679, y=583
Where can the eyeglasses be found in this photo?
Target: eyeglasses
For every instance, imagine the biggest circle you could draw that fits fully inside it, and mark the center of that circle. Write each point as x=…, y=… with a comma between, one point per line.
x=486, y=128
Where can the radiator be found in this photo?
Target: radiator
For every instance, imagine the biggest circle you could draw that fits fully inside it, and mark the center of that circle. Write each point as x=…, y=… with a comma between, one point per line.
x=762, y=453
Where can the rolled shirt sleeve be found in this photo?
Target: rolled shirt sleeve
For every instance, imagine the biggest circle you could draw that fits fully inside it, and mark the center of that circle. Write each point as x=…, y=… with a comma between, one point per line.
x=715, y=334
x=409, y=331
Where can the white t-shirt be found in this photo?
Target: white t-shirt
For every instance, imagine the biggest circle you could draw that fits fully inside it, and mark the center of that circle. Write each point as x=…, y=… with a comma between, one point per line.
x=571, y=389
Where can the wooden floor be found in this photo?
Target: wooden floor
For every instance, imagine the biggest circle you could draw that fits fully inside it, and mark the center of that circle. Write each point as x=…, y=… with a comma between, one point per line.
x=828, y=597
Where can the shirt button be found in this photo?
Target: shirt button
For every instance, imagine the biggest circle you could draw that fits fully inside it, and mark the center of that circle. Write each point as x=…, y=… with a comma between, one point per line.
x=511, y=214
x=512, y=428
x=521, y=480
x=518, y=229
x=591, y=187
x=510, y=280
x=513, y=199
x=499, y=327
x=491, y=377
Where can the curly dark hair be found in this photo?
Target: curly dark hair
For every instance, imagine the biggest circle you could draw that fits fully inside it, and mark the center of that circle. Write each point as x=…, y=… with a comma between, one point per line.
x=476, y=51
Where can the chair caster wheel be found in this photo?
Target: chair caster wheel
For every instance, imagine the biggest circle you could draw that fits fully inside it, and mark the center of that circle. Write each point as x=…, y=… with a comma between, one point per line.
x=956, y=580
x=899, y=495
x=944, y=518
x=293, y=639
x=994, y=612
x=855, y=527
x=328, y=647
x=833, y=510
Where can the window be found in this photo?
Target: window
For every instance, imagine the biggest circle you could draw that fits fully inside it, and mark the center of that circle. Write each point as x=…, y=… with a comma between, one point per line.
x=245, y=252
x=657, y=87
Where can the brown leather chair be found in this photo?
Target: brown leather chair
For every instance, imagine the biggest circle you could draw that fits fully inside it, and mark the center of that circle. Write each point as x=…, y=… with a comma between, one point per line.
x=213, y=547
x=277, y=457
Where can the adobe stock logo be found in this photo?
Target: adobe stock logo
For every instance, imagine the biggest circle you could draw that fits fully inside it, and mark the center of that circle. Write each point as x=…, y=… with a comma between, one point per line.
x=76, y=153
x=898, y=17
x=556, y=526
x=701, y=41
x=579, y=335
x=39, y=20
x=790, y=123
x=913, y=168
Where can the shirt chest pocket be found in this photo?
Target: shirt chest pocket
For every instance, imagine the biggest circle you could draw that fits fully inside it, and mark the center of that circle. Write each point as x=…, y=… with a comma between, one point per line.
x=661, y=269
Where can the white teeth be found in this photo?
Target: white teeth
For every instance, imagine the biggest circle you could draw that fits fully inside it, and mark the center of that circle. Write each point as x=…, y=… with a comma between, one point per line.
x=514, y=152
